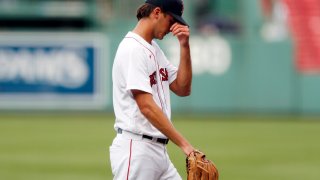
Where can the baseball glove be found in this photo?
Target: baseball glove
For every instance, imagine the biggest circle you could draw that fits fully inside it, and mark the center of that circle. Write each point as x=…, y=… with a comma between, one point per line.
x=199, y=168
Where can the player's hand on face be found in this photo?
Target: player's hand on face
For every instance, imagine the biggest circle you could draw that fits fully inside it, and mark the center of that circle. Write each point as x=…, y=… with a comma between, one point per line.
x=181, y=32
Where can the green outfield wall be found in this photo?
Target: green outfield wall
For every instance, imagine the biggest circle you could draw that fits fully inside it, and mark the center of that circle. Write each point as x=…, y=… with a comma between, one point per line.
x=260, y=76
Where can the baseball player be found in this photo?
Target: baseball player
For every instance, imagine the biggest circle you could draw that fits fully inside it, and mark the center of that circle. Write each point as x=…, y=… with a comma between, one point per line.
x=142, y=79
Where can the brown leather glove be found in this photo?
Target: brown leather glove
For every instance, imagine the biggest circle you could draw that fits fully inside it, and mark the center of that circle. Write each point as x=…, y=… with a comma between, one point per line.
x=199, y=168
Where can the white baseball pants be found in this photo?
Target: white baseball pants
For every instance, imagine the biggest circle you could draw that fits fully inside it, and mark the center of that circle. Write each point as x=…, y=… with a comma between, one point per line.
x=135, y=158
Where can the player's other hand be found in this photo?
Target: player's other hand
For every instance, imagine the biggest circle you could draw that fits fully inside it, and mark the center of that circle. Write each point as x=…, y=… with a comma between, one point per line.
x=181, y=32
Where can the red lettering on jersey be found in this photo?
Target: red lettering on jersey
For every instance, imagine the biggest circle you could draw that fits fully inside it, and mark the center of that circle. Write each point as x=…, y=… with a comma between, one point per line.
x=164, y=74
x=153, y=80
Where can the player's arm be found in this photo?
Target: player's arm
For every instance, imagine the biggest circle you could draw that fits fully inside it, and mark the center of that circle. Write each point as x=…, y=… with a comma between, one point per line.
x=182, y=84
x=158, y=119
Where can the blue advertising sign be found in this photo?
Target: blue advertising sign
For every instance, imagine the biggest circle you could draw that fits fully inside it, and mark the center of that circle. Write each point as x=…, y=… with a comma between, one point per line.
x=53, y=71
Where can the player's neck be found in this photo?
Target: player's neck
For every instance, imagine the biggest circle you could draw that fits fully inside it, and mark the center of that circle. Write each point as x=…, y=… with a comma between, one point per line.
x=144, y=30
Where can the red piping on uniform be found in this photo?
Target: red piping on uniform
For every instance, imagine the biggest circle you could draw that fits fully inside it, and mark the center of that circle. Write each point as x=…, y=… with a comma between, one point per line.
x=154, y=57
x=129, y=160
x=165, y=101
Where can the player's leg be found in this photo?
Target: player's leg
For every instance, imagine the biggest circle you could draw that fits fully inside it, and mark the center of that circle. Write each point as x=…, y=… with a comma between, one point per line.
x=171, y=173
x=147, y=160
x=137, y=159
x=119, y=157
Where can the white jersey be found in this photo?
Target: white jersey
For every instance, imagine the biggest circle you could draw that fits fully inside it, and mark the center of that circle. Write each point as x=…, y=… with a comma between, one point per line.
x=141, y=66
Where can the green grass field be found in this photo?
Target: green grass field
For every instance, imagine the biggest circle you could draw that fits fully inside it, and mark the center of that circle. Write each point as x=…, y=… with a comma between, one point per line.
x=75, y=147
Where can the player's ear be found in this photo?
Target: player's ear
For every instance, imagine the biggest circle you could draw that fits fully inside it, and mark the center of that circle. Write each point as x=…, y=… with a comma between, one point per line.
x=157, y=12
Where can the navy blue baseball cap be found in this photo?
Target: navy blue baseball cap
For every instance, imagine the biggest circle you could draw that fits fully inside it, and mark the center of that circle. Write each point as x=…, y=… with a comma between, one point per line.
x=172, y=7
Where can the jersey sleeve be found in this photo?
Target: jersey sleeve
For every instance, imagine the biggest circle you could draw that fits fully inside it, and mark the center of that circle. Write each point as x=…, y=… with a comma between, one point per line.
x=172, y=71
x=138, y=76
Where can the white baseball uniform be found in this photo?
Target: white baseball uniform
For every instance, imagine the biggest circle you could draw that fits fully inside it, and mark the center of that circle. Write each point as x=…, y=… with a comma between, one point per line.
x=135, y=152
